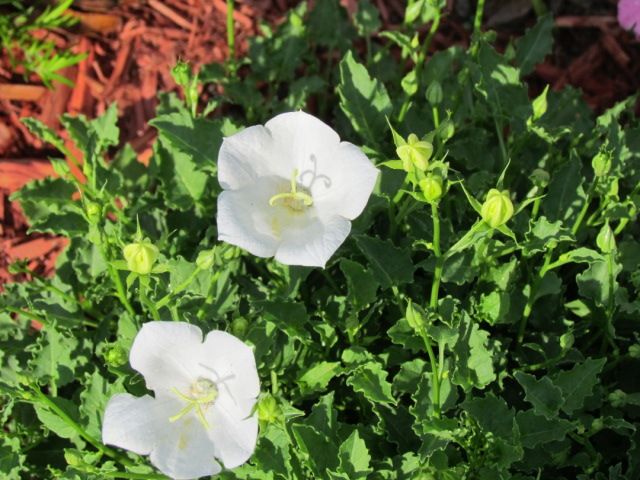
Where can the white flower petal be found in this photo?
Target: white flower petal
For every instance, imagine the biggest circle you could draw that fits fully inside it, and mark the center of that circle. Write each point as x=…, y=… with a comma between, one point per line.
x=314, y=246
x=167, y=355
x=245, y=218
x=351, y=176
x=234, y=437
x=303, y=140
x=132, y=423
x=246, y=156
x=233, y=366
x=186, y=452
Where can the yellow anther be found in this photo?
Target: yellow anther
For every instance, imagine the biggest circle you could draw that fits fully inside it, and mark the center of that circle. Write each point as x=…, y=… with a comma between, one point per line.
x=294, y=199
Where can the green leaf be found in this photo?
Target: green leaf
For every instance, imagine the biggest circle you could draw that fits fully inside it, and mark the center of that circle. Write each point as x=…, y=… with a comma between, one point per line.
x=545, y=397
x=53, y=422
x=543, y=235
x=577, y=384
x=391, y=265
x=534, y=45
x=361, y=283
x=291, y=317
x=94, y=397
x=198, y=138
x=354, y=457
x=474, y=361
x=363, y=100
x=42, y=131
x=537, y=430
x=371, y=380
x=56, y=361
x=316, y=378
x=565, y=193
x=594, y=282
x=581, y=255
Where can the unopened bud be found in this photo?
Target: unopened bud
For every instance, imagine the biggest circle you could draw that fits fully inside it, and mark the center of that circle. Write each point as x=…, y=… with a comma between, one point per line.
x=239, y=326
x=93, y=211
x=141, y=256
x=181, y=73
x=434, y=93
x=432, y=188
x=268, y=410
x=115, y=356
x=601, y=163
x=540, y=104
x=414, y=317
x=606, y=240
x=206, y=259
x=497, y=209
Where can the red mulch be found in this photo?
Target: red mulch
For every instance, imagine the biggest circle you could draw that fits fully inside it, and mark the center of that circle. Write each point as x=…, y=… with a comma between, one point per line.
x=131, y=46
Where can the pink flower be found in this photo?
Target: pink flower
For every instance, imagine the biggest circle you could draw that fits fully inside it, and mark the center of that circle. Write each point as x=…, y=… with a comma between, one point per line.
x=629, y=15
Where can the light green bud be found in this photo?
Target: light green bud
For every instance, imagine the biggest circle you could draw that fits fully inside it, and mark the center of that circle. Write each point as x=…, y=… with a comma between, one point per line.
x=540, y=178
x=606, y=240
x=94, y=212
x=206, y=259
x=432, y=188
x=540, y=104
x=268, y=410
x=239, y=326
x=618, y=398
x=415, y=153
x=434, y=93
x=634, y=350
x=601, y=163
x=140, y=256
x=73, y=458
x=414, y=317
x=497, y=209
x=446, y=130
x=181, y=73
x=115, y=356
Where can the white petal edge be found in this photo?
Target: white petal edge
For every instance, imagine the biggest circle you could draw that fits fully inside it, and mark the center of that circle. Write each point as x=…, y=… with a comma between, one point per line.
x=352, y=177
x=297, y=136
x=243, y=220
x=246, y=156
x=317, y=245
x=234, y=437
x=167, y=355
x=131, y=423
x=186, y=451
x=233, y=366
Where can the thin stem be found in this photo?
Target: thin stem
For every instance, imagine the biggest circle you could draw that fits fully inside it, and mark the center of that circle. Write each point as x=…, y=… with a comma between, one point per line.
x=435, y=376
x=120, y=291
x=437, y=275
x=210, y=297
x=477, y=24
x=231, y=34
x=436, y=116
x=585, y=207
x=167, y=298
x=81, y=431
x=503, y=149
x=144, y=297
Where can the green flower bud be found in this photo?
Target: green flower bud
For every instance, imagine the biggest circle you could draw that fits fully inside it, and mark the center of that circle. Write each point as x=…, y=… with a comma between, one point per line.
x=73, y=457
x=597, y=424
x=269, y=411
x=540, y=104
x=116, y=356
x=497, y=209
x=446, y=130
x=434, y=93
x=601, y=163
x=606, y=240
x=618, y=398
x=206, y=259
x=141, y=256
x=181, y=73
x=414, y=317
x=540, y=178
x=415, y=153
x=432, y=188
x=94, y=212
x=634, y=350
x=239, y=326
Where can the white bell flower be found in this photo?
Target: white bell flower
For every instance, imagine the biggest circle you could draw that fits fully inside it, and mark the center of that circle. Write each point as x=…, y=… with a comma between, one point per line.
x=291, y=189
x=201, y=415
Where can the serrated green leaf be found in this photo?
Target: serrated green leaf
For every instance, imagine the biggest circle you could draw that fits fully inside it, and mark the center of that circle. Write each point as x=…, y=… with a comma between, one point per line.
x=543, y=235
x=354, y=457
x=577, y=384
x=361, y=283
x=534, y=45
x=391, y=265
x=545, y=397
x=316, y=378
x=363, y=100
x=371, y=380
x=56, y=424
x=536, y=430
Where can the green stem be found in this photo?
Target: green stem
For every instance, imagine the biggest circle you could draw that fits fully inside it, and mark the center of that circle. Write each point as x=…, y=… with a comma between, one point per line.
x=436, y=116
x=435, y=377
x=210, y=297
x=477, y=24
x=81, y=431
x=585, y=207
x=231, y=34
x=120, y=291
x=144, y=297
x=437, y=275
x=44, y=321
x=503, y=149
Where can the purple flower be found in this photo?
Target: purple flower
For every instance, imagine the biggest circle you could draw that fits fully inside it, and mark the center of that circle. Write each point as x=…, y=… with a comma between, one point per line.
x=629, y=15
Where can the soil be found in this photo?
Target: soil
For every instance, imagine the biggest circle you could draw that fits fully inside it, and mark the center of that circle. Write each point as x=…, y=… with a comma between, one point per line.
x=131, y=45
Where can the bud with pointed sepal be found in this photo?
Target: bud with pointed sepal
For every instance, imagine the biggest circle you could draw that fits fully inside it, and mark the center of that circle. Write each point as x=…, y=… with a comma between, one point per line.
x=497, y=209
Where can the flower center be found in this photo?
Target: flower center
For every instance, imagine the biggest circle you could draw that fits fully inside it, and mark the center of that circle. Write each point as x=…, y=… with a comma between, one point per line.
x=294, y=200
x=202, y=394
